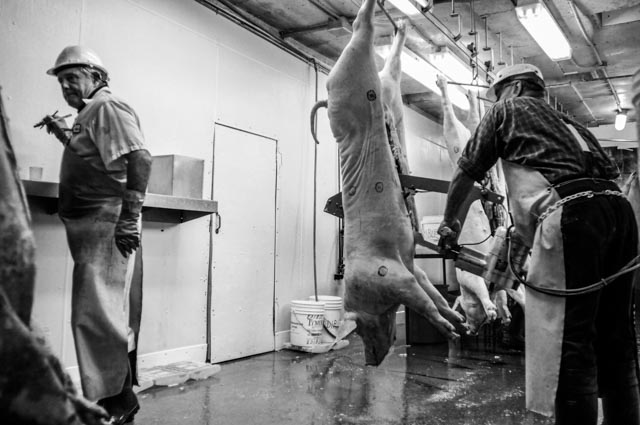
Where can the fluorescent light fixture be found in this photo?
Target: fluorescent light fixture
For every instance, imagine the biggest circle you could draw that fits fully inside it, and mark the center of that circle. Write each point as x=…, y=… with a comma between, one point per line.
x=424, y=73
x=621, y=120
x=453, y=67
x=537, y=19
x=409, y=7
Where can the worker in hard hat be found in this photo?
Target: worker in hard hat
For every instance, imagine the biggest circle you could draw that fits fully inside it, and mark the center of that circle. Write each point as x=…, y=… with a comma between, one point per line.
x=579, y=325
x=103, y=179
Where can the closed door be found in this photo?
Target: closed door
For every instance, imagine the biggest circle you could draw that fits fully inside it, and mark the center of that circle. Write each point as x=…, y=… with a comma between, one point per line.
x=243, y=248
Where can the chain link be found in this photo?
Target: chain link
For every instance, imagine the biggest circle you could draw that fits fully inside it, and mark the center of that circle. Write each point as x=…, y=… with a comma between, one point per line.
x=585, y=194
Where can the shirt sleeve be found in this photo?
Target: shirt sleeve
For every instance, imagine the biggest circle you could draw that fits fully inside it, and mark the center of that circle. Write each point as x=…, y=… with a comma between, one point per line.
x=481, y=152
x=116, y=132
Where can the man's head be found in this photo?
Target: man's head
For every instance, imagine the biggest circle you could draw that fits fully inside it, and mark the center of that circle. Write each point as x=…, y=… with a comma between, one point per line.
x=79, y=71
x=515, y=80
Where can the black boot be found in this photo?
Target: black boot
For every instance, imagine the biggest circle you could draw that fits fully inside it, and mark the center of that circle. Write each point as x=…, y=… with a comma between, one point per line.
x=622, y=406
x=576, y=409
x=122, y=407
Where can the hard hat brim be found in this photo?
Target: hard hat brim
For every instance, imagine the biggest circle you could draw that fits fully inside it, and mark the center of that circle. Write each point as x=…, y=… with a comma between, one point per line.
x=54, y=71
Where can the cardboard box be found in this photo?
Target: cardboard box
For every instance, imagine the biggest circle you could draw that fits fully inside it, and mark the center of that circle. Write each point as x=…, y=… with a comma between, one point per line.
x=176, y=175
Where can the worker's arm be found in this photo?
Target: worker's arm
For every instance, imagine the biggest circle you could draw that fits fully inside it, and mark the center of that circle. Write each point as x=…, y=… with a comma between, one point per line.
x=449, y=229
x=138, y=170
x=127, y=233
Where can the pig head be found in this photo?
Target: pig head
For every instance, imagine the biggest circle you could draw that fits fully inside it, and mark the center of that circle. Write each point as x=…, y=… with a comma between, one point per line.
x=379, y=240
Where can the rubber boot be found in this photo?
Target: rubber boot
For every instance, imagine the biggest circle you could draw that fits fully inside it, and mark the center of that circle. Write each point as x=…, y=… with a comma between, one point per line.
x=577, y=409
x=122, y=407
x=622, y=406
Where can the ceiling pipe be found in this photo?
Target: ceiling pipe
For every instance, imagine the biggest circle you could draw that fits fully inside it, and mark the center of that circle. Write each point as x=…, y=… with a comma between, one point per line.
x=440, y=26
x=237, y=16
x=577, y=92
x=579, y=78
x=324, y=9
x=595, y=52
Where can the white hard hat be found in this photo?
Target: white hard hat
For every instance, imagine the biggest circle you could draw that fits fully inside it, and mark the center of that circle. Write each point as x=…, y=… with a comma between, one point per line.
x=513, y=71
x=77, y=56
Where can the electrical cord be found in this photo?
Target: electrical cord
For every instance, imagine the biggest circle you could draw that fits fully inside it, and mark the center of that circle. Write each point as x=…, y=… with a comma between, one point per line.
x=315, y=188
x=629, y=267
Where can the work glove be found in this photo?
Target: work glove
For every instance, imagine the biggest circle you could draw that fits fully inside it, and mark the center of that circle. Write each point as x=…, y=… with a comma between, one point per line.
x=127, y=233
x=449, y=232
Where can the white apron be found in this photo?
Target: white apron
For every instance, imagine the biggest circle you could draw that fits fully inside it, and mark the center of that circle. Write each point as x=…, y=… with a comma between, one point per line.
x=531, y=194
x=100, y=313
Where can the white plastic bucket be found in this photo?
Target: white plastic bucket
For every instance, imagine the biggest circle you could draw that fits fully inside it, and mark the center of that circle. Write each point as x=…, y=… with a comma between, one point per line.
x=306, y=322
x=333, y=313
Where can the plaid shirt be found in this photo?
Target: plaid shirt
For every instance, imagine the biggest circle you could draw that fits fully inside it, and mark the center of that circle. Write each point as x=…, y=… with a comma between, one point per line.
x=527, y=131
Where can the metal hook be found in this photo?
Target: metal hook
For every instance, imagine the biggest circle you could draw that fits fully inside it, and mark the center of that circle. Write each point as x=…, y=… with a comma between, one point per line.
x=473, y=21
x=501, y=61
x=454, y=14
x=381, y=5
x=486, y=35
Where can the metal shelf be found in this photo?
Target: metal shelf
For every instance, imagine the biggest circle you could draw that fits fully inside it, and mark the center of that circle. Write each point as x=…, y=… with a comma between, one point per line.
x=157, y=208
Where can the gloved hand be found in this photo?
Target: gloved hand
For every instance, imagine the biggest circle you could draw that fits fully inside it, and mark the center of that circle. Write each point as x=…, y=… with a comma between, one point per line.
x=127, y=233
x=449, y=232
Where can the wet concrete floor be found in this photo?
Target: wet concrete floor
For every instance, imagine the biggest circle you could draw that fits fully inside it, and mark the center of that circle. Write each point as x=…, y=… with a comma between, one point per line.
x=445, y=383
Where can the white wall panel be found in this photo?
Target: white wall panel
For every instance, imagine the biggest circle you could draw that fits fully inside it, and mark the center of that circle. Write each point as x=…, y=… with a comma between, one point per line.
x=32, y=33
x=183, y=68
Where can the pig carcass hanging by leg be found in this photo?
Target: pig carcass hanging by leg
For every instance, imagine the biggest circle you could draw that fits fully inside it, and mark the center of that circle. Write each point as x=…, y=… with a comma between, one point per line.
x=475, y=299
x=379, y=238
x=390, y=79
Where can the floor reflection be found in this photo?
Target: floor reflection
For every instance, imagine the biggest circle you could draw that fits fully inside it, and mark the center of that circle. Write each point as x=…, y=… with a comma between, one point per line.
x=469, y=383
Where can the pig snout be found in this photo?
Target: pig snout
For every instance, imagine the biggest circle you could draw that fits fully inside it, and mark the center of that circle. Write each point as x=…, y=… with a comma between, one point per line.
x=378, y=333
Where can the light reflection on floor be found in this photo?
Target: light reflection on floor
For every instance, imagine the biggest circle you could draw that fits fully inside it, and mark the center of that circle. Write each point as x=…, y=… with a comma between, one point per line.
x=419, y=384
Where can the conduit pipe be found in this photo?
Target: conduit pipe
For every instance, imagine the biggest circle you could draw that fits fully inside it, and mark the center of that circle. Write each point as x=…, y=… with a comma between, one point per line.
x=324, y=9
x=440, y=26
x=595, y=52
x=577, y=92
x=237, y=16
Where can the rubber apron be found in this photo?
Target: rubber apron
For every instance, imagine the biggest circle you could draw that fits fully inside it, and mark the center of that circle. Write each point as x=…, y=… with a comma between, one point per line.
x=89, y=207
x=530, y=194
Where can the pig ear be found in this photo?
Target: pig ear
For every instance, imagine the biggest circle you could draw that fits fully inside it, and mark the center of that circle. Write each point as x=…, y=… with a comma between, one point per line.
x=347, y=326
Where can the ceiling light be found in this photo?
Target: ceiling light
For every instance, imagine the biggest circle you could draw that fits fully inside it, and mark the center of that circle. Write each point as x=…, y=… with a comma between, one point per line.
x=621, y=120
x=424, y=73
x=537, y=19
x=410, y=7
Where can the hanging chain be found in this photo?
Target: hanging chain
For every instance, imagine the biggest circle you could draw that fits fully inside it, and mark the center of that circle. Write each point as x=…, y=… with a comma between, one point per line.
x=585, y=194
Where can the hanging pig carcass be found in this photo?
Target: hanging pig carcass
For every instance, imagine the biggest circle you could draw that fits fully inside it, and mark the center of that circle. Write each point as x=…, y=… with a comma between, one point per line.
x=475, y=299
x=34, y=389
x=380, y=274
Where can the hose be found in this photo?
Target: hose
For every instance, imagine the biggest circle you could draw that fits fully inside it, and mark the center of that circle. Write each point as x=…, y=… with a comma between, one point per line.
x=629, y=267
x=315, y=185
x=319, y=104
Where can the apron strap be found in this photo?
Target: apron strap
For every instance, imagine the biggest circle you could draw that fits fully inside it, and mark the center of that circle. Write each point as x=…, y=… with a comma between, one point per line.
x=578, y=137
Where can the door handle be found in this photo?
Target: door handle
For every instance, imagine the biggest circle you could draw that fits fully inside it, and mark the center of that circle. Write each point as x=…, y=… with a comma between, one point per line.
x=218, y=223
